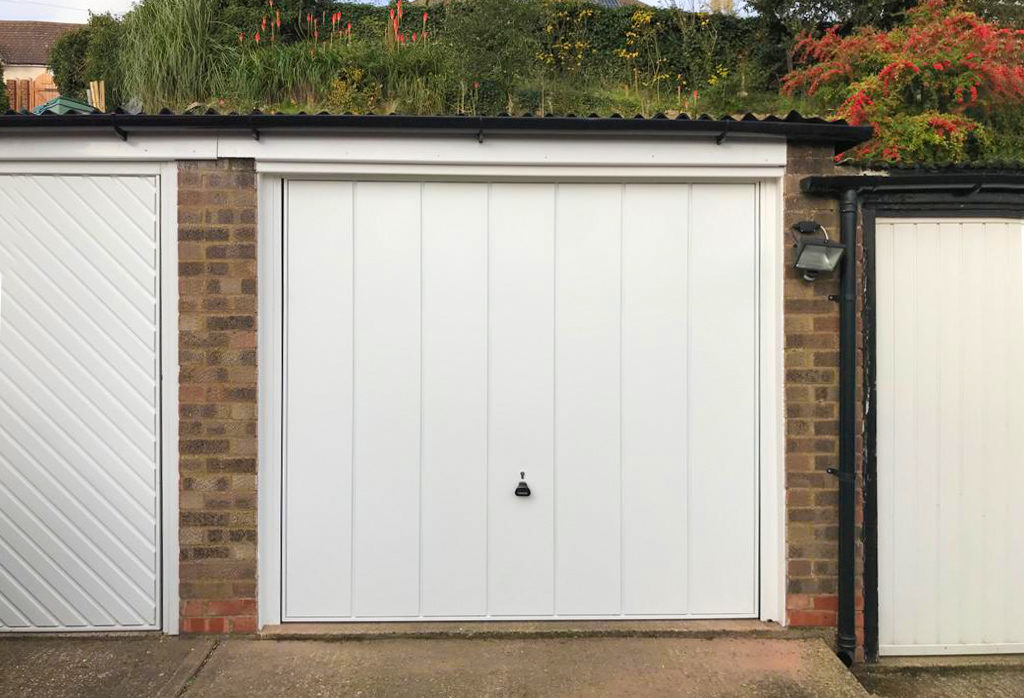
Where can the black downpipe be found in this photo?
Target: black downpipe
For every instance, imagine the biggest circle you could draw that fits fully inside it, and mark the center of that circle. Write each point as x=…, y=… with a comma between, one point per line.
x=846, y=635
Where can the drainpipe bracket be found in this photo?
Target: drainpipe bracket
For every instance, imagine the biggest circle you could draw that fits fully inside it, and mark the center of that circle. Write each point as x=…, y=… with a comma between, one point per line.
x=841, y=476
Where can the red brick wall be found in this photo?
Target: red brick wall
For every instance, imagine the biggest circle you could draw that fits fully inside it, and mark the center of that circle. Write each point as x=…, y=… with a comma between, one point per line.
x=812, y=410
x=218, y=385
x=217, y=257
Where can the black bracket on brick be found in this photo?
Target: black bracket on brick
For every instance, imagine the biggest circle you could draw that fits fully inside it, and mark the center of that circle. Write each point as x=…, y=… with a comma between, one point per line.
x=842, y=477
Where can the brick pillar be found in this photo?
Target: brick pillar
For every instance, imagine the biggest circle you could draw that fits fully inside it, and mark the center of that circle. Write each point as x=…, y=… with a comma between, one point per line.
x=812, y=407
x=218, y=387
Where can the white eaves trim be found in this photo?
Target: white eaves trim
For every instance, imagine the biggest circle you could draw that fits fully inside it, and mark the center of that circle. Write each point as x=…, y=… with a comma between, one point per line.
x=577, y=154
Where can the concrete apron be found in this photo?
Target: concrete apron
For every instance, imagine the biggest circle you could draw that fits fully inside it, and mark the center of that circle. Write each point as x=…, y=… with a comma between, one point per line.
x=595, y=659
x=991, y=676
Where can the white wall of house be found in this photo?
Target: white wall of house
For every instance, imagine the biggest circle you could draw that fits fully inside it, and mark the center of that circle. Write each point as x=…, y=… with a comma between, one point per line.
x=24, y=72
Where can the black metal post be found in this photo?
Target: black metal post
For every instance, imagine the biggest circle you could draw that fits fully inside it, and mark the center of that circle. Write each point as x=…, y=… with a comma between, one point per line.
x=846, y=635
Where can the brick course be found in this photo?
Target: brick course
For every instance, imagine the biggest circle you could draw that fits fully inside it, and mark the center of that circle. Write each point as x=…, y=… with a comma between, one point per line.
x=812, y=409
x=217, y=395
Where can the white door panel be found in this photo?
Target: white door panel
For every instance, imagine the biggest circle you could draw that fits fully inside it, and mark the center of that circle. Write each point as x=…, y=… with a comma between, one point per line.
x=79, y=396
x=521, y=399
x=318, y=532
x=453, y=445
x=655, y=332
x=583, y=334
x=722, y=394
x=387, y=466
x=950, y=333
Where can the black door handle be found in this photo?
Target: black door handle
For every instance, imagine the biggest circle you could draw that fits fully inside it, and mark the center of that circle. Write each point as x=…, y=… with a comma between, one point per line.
x=522, y=490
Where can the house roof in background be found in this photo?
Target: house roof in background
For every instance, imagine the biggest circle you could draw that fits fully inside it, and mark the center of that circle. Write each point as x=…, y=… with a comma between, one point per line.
x=793, y=126
x=29, y=43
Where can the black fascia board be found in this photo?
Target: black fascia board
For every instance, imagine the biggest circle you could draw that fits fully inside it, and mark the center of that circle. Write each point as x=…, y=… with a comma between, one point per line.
x=815, y=130
x=945, y=180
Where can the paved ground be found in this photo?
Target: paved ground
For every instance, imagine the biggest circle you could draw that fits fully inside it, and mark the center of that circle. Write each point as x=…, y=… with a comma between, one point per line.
x=598, y=666
x=152, y=666
x=949, y=677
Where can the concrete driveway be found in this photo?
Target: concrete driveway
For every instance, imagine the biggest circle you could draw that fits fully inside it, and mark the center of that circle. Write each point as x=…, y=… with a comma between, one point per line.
x=949, y=677
x=593, y=666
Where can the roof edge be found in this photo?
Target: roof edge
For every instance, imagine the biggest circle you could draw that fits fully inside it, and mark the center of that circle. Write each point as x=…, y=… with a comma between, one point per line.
x=840, y=133
x=947, y=180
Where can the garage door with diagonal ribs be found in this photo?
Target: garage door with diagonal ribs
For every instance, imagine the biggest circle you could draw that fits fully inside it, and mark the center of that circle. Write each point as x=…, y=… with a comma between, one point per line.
x=78, y=403
x=519, y=400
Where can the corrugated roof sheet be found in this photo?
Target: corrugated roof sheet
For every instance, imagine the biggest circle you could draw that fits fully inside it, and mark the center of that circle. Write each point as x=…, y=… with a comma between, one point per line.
x=792, y=126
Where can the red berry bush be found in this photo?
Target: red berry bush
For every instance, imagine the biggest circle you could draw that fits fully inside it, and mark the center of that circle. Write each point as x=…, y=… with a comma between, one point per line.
x=945, y=87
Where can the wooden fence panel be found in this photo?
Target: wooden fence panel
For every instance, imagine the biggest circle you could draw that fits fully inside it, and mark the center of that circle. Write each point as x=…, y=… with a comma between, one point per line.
x=29, y=94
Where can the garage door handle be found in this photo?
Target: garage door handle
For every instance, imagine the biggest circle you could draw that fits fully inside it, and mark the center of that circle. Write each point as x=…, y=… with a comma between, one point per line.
x=523, y=490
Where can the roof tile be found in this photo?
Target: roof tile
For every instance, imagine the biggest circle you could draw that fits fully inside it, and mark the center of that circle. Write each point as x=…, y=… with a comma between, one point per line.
x=29, y=43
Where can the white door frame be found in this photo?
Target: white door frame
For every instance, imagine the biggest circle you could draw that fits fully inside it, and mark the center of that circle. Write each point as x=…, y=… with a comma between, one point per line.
x=771, y=423
x=167, y=434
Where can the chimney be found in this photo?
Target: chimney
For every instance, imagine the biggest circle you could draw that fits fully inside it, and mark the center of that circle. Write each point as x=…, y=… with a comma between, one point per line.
x=723, y=6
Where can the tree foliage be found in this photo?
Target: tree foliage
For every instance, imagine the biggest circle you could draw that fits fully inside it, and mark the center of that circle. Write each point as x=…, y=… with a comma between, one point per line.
x=940, y=88
x=89, y=53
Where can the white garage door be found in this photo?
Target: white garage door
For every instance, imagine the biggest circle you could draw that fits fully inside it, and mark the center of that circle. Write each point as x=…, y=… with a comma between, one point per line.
x=78, y=403
x=950, y=418
x=442, y=338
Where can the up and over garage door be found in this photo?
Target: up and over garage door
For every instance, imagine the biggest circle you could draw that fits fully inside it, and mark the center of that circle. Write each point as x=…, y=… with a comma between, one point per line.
x=950, y=338
x=445, y=340
x=79, y=402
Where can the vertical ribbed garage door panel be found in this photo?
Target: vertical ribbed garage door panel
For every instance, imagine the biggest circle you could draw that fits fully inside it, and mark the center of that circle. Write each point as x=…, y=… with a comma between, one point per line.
x=453, y=498
x=387, y=466
x=655, y=322
x=79, y=422
x=322, y=404
x=585, y=334
x=950, y=329
x=521, y=399
x=722, y=399
x=588, y=341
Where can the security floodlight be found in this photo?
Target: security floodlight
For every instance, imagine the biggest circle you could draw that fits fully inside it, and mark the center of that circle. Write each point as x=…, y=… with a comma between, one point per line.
x=815, y=253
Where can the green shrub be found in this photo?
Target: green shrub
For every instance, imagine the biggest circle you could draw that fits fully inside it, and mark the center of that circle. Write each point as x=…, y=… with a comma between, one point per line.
x=482, y=56
x=497, y=43
x=356, y=76
x=67, y=61
x=175, y=53
x=90, y=53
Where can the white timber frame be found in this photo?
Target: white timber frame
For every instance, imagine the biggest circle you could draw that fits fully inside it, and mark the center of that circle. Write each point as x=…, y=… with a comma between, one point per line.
x=463, y=158
x=167, y=173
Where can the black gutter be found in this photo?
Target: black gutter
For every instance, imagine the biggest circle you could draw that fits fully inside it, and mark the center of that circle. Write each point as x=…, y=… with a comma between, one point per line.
x=841, y=134
x=846, y=633
x=964, y=181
